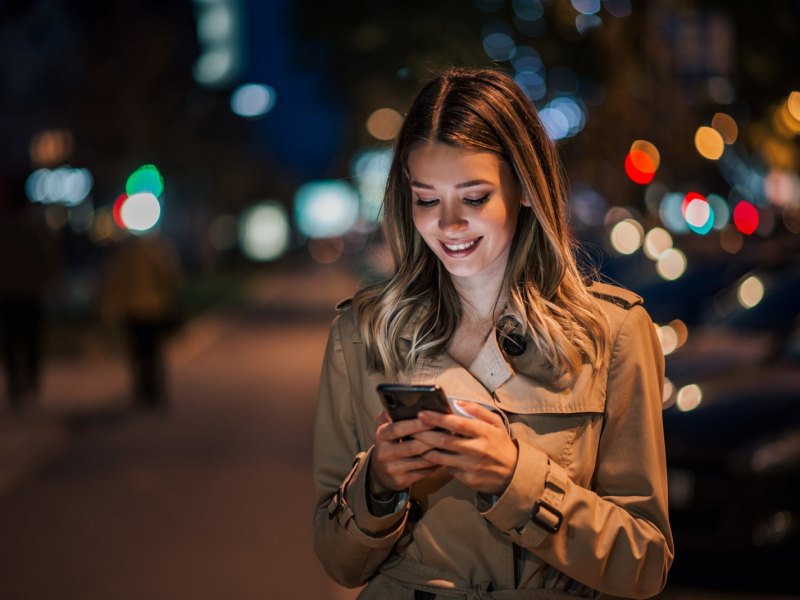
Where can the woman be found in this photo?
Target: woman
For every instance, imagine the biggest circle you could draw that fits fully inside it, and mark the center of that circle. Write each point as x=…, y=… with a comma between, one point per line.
x=555, y=484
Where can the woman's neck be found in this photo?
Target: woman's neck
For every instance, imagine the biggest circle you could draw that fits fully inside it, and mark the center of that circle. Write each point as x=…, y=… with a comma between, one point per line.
x=481, y=298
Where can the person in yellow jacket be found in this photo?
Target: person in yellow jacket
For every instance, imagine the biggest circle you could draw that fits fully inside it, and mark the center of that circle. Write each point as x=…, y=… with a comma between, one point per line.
x=552, y=484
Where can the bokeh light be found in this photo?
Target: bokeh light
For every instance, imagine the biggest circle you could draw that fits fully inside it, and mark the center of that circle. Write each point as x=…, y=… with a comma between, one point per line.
x=709, y=143
x=585, y=23
x=626, y=236
x=218, y=25
x=384, y=123
x=140, y=212
x=642, y=162
x=785, y=119
x=782, y=187
x=586, y=7
x=264, y=231
x=731, y=240
x=51, y=147
x=689, y=397
x=698, y=214
x=667, y=393
x=253, y=100
x=791, y=218
x=745, y=217
x=793, y=105
x=563, y=117
x=146, y=178
x=726, y=126
x=325, y=209
x=656, y=242
x=668, y=338
x=722, y=212
x=526, y=58
x=750, y=292
x=528, y=10
x=681, y=331
x=370, y=169
x=533, y=84
x=671, y=212
x=671, y=264
x=64, y=185
x=498, y=40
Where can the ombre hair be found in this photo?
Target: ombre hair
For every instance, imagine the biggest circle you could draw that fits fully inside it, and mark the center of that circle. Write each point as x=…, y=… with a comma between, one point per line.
x=484, y=110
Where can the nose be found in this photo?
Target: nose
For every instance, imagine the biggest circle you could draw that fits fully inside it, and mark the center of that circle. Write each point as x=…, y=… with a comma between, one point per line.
x=451, y=220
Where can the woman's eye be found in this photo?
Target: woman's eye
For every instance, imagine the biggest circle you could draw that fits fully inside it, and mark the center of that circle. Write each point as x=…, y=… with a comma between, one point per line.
x=477, y=201
x=426, y=202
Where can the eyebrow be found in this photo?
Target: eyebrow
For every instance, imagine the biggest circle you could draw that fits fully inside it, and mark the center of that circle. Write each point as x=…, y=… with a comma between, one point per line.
x=463, y=184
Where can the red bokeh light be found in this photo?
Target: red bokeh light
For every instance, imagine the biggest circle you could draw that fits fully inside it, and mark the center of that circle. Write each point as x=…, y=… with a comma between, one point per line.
x=688, y=198
x=639, y=167
x=745, y=217
x=117, y=210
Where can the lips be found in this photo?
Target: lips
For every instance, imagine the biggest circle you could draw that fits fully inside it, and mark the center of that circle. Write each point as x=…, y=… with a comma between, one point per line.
x=460, y=249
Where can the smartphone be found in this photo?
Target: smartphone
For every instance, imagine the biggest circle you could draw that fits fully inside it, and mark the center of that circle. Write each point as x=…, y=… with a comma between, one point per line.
x=405, y=401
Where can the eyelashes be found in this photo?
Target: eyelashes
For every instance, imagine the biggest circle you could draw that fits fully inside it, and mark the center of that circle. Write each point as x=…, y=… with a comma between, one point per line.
x=426, y=203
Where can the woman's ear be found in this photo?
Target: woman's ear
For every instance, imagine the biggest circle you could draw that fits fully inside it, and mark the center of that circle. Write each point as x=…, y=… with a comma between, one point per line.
x=525, y=201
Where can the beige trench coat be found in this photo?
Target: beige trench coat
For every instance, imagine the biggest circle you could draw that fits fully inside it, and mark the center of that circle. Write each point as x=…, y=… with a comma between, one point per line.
x=591, y=467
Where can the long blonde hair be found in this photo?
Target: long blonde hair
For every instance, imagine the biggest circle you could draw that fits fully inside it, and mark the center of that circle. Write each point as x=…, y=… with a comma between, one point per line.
x=485, y=110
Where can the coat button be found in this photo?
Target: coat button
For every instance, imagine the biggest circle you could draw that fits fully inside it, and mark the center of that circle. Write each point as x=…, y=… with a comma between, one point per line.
x=507, y=321
x=414, y=511
x=514, y=344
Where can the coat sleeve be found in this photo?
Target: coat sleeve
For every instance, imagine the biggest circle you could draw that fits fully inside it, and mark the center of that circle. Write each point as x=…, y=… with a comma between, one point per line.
x=350, y=542
x=615, y=537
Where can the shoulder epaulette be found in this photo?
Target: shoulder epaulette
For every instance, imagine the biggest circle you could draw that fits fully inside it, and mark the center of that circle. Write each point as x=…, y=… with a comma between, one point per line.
x=616, y=295
x=344, y=305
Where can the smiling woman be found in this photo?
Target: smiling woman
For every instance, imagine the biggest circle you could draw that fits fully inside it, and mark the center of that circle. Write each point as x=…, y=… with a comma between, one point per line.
x=548, y=480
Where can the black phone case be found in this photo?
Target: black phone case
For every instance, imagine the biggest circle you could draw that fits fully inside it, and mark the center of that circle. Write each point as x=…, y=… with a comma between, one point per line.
x=405, y=401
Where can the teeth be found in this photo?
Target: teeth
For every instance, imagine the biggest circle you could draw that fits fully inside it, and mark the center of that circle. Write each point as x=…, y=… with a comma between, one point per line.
x=457, y=247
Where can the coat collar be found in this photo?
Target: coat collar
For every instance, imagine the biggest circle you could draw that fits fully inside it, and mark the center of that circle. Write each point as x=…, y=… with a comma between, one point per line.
x=493, y=366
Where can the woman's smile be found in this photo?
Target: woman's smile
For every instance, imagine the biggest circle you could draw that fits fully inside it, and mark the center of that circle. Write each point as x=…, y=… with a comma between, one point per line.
x=460, y=249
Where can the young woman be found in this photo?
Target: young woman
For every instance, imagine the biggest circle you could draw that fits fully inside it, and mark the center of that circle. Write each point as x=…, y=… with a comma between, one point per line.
x=554, y=482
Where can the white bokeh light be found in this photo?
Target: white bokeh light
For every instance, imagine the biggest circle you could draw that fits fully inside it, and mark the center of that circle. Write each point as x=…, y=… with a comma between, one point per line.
x=264, y=231
x=140, y=212
x=253, y=100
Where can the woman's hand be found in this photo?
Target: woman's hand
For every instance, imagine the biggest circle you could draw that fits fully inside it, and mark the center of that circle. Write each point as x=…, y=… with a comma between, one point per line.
x=481, y=454
x=397, y=463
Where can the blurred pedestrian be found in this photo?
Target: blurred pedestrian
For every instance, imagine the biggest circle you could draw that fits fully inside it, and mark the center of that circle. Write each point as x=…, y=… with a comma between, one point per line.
x=547, y=477
x=27, y=269
x=140, y=292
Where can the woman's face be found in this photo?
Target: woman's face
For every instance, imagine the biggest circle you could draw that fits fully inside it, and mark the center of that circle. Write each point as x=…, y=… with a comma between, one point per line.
x=465, y=205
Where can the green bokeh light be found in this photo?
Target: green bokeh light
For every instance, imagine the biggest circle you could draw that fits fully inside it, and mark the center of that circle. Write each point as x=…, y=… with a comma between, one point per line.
x=146, y=178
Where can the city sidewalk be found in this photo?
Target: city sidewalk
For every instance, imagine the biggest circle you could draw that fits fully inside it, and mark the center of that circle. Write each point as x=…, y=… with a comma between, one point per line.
x=97, y=382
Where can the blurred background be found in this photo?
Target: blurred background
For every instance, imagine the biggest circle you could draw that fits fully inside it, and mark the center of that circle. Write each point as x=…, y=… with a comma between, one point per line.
x=188, y=187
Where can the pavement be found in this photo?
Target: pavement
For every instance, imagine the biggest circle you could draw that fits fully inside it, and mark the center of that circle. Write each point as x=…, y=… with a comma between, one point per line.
x=97, y=382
